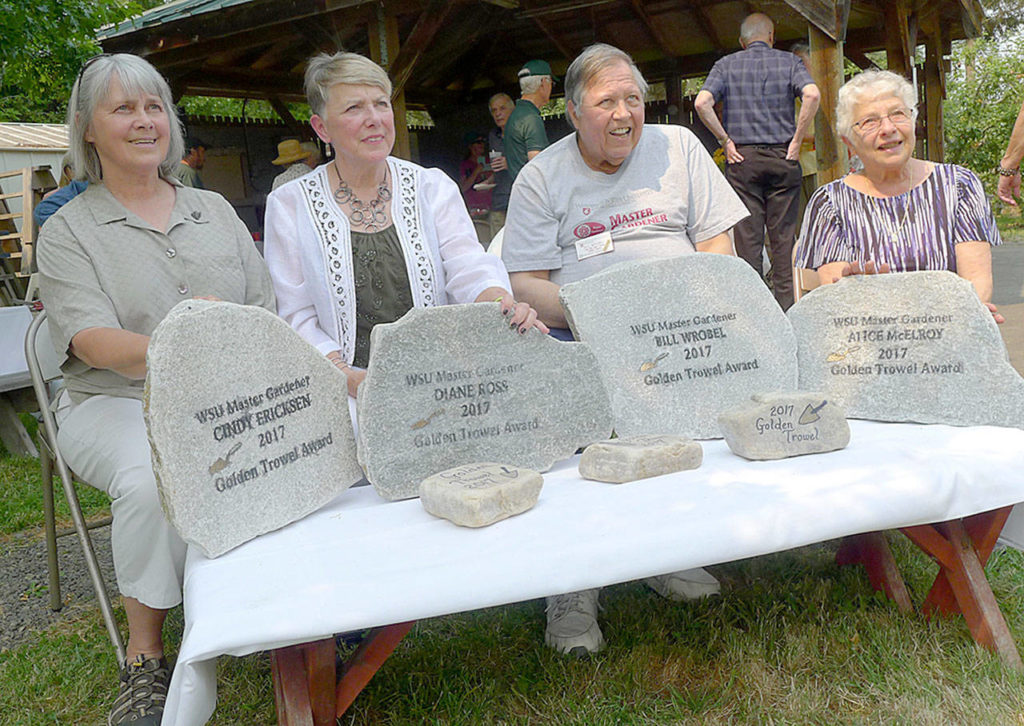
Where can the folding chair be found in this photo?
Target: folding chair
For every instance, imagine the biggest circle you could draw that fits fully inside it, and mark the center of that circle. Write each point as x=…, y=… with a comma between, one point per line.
x=42, y=365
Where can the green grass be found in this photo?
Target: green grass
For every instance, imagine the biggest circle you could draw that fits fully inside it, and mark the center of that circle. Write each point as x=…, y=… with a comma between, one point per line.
x=21, y=492
x=794, y=640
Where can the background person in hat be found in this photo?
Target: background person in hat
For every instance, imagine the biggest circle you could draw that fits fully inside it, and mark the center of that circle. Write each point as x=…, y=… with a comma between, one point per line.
x=300, y=158
x=473, y=173
x=525, y=136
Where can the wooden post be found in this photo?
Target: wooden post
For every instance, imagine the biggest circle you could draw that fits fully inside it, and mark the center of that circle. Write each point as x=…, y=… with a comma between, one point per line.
x=827, y=72
x=674, y=98
x=900, y=37
x=383, y=32
x=935, y=91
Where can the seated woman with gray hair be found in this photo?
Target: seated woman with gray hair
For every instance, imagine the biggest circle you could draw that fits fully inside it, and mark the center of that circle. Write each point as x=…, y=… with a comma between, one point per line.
x=113, y=261
x=896, y=212
x=364, y=238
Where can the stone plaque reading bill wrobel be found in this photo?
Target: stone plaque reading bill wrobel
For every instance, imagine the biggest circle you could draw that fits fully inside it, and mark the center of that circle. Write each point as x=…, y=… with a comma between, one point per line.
x=680, y=340
x=912, y=346
x=455, y=385
x=248, y=423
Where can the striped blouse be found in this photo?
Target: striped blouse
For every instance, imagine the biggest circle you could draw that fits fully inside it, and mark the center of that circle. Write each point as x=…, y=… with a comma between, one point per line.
x=916, y=230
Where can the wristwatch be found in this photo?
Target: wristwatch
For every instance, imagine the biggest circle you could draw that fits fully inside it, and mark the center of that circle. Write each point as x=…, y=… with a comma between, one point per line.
x=1006, y=172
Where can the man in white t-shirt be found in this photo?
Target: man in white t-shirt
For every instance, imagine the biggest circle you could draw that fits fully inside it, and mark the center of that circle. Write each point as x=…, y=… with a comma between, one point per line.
x=616, y=190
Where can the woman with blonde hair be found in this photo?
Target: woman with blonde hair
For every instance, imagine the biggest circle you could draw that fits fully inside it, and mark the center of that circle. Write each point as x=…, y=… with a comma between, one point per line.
x=365, y=237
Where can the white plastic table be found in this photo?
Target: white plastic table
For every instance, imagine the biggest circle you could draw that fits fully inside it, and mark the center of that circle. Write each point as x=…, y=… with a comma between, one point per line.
x=361, y=562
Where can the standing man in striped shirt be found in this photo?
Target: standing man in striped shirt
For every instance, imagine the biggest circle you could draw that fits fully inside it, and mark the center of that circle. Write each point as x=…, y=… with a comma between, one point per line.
x=756, y=87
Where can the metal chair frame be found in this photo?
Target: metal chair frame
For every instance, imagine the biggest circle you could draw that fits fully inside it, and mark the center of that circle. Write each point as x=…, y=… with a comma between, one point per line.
x=42, y=365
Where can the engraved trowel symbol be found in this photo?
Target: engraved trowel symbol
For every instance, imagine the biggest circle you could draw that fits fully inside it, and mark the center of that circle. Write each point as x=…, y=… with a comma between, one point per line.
x=505, y=471
x=648, y=365
x=424, y=421
x=223, y=461
x=810, y=414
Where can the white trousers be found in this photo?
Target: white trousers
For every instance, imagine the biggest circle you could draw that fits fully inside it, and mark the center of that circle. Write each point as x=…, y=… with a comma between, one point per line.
x=103, y=440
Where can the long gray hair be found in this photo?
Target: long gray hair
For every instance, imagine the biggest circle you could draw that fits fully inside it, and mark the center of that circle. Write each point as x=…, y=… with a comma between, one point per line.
x=137, y=76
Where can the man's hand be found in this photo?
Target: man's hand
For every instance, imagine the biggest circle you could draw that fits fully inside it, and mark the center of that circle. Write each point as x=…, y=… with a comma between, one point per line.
x=1008, y=189
x=793, y=151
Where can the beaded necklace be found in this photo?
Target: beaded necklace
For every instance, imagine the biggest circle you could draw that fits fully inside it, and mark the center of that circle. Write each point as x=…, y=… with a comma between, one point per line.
x=372, y=216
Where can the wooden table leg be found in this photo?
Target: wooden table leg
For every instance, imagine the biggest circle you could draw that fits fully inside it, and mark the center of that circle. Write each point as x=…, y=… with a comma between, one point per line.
x=983, y=530
x=953, y=547
x=304, y=677
x=872, y=551
x=368, y=658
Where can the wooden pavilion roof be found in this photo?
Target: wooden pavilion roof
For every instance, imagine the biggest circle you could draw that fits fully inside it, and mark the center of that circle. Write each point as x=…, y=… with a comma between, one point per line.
x=454, y=51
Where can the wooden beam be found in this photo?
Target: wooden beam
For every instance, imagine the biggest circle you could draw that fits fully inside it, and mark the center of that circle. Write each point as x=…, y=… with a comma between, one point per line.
x=935, y=91
x=826, y=57
x=564, y=49
x=972, y=17
x=659, y=36
x=900, y=36
x=828, y=16
x=708, y=26
x=383, y=35
x=418, y=40
x=859, y=58
x=282, y=110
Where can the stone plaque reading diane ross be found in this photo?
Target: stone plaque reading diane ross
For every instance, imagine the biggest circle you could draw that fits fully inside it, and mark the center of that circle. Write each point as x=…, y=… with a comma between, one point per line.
x=680, y=340
x=914, y=346
x=455, y=385
x=248, y=423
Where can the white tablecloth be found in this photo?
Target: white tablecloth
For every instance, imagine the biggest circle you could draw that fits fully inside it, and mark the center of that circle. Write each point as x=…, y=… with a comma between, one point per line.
x=363, y=562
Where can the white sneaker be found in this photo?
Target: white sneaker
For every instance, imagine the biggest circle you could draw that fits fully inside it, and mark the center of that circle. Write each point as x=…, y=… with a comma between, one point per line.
x=572, y=623
x=685, y=585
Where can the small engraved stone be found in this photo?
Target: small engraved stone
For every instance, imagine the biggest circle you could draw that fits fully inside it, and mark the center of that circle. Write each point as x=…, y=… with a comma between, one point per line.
x=475, y=495
x=780, y=425
x=639, y=457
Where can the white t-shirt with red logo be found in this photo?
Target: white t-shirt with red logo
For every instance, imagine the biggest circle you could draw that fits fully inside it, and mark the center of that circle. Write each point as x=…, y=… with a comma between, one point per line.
x=667, y=196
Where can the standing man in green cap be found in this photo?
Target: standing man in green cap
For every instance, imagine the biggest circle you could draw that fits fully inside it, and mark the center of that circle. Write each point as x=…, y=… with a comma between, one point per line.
x=524, y=131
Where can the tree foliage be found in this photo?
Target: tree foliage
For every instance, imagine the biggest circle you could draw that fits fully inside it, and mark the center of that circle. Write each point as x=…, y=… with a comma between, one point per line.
x=985, y=90
x=43, y=43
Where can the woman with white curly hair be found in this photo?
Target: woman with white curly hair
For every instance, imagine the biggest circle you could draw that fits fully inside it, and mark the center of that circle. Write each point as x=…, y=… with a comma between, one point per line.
x=896, y=212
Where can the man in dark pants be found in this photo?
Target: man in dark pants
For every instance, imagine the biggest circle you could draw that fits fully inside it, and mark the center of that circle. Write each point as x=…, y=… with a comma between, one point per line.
x=756, y=87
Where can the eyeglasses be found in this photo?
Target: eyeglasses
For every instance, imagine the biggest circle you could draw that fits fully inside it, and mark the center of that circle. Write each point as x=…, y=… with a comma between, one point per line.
x=88, y=63
x=899, y=117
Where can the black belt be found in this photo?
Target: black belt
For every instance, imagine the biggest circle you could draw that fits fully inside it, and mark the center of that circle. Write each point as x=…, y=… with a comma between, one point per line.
x=765, y=146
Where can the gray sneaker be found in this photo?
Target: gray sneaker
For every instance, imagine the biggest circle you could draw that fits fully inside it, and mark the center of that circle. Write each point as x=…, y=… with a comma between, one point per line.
x=572, y=623
x=685, y=585
x=140, y=701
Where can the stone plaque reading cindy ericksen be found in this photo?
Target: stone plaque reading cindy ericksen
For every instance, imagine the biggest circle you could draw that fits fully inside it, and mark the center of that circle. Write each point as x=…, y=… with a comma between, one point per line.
x=455, y=385
x=913, y=346
x=680, y=340
x=248, y=423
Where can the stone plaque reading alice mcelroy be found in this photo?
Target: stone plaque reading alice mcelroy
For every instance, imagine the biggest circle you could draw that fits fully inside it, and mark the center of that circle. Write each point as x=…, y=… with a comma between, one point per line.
x=680, y=340
x=914, y=346
x=248, y=423
x=455, y=385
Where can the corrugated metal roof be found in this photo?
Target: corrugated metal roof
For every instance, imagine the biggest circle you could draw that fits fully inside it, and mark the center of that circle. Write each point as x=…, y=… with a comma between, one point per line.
x=33, y=136
x=166, y=13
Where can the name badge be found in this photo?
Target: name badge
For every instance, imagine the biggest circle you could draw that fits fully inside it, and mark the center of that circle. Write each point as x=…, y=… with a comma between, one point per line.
x=592, y=246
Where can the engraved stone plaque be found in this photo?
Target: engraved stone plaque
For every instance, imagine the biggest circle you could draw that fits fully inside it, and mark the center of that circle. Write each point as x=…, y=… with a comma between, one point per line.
x=639, y=457
x=248, y=423
x=475, y=495
x=680, y=340
x=779, y=425
x=455, y=385
x=912, y=346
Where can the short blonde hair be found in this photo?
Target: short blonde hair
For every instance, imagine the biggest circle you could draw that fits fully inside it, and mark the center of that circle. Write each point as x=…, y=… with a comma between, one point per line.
x=868, y=86
x=137, y=76
x=324, y=71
